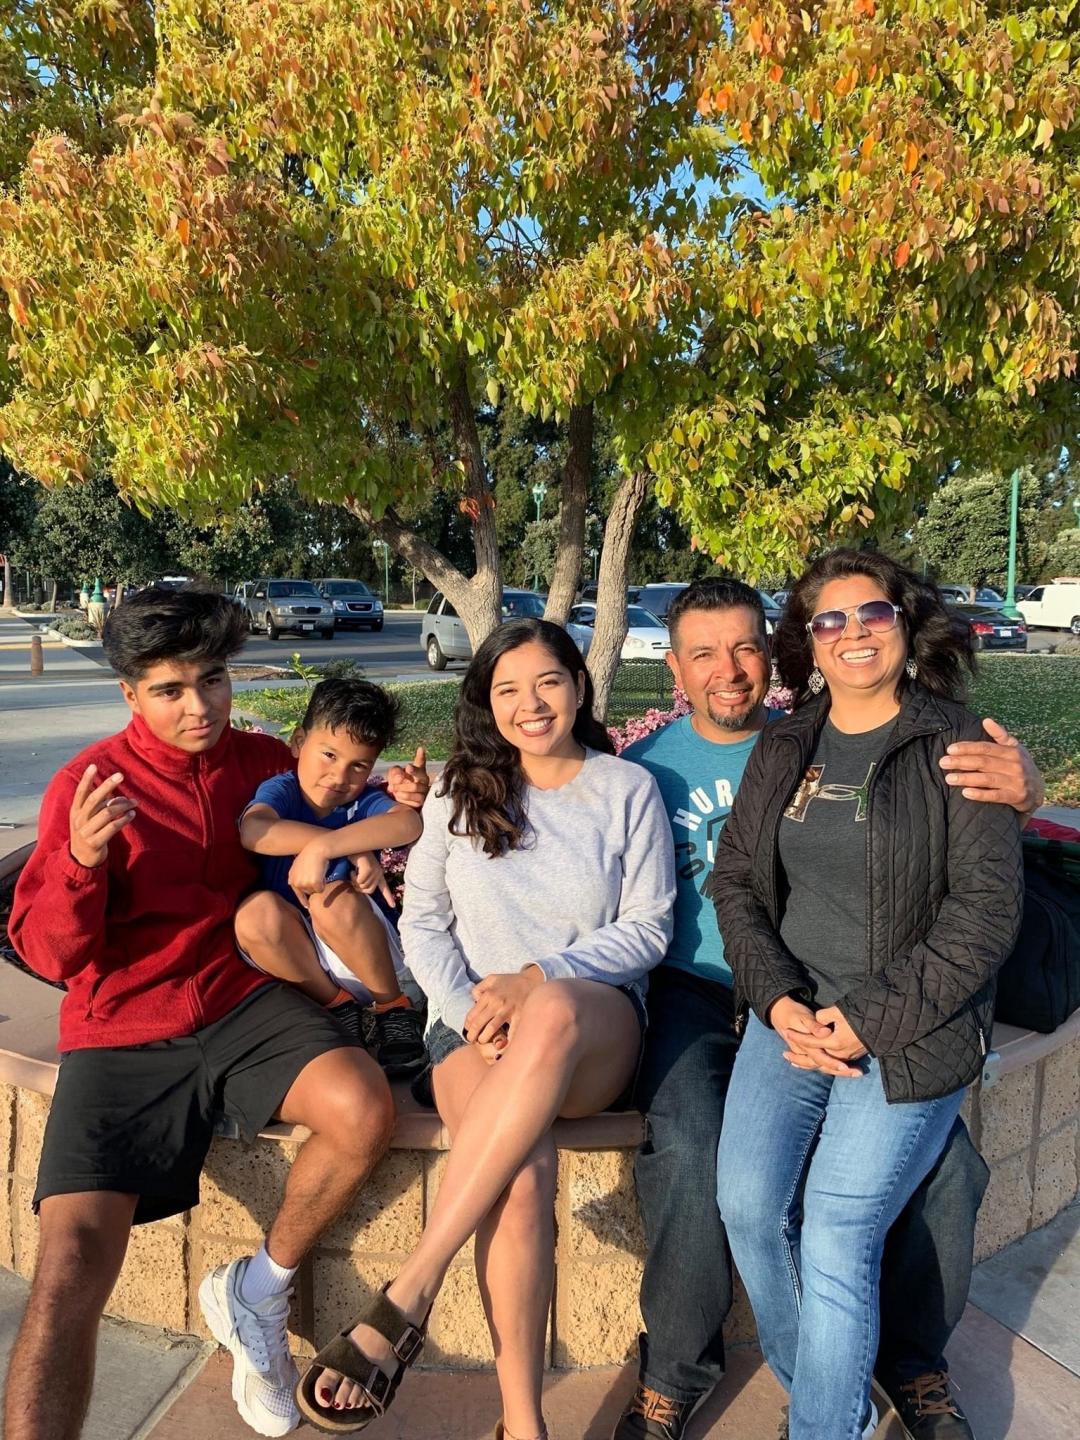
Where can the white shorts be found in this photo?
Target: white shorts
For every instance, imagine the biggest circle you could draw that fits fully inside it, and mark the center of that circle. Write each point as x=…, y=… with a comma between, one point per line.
x=339, y=972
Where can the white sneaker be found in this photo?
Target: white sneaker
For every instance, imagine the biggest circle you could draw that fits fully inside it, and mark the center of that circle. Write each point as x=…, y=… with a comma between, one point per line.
x=872, y=1423
x=264, y=1375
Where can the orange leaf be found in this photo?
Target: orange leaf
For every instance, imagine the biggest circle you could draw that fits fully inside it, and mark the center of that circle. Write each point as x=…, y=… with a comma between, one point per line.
x=900, y=254
x=911, y=157
x=290, y=415
x=776, y=74
x=183, y=230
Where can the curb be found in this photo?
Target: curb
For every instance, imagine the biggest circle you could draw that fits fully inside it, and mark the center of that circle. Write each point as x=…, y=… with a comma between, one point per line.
x=73, y=644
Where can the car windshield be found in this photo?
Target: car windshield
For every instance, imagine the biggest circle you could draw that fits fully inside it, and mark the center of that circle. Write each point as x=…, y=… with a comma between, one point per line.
x=769, y=601
x=986, y=593
x=279, y=589
x=638, y=618
x=345, y=587
x=529, y=606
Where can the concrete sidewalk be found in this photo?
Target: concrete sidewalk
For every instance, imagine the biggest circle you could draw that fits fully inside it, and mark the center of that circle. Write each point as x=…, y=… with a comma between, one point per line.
x=1014, y=1360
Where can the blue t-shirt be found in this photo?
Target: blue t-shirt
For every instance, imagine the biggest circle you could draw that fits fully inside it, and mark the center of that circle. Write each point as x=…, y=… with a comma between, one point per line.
x=284, y=796
x=698, y=780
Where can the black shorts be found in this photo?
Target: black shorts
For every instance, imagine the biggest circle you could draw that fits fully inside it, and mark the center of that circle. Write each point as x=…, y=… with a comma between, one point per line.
x=139, y=1118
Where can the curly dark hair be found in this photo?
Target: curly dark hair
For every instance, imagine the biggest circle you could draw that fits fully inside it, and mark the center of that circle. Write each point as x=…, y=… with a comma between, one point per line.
x=483, y=776
x=366, y=712
x=182, y=625
x=940, y=646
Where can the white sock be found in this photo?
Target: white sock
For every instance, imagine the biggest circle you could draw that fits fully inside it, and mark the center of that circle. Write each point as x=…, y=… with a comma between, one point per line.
x=264, y=1277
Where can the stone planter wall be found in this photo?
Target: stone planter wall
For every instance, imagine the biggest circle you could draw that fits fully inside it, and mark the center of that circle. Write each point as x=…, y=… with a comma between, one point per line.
x=1026, y=1124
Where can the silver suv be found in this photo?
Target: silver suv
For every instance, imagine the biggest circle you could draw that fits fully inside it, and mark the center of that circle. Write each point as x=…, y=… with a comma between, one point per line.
x=279, y=605
x=443, y=634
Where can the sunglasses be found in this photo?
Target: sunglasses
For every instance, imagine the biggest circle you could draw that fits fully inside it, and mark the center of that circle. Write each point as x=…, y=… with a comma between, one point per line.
x=877, y=616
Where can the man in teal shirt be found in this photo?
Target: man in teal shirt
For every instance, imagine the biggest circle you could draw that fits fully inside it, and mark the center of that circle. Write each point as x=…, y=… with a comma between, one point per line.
x=720, y=658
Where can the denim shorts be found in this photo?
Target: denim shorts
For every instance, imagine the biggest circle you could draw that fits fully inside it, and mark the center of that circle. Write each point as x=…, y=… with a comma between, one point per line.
x=441, y=1041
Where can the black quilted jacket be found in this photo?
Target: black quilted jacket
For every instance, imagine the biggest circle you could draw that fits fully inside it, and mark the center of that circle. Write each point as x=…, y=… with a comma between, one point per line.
x=945, y=886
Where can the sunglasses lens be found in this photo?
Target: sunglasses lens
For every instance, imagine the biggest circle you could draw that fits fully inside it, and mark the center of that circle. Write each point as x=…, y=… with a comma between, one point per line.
x=828, y=625
x=877, y=615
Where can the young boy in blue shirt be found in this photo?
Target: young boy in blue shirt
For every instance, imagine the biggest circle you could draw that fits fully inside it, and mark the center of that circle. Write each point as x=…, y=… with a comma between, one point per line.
x=318, y=922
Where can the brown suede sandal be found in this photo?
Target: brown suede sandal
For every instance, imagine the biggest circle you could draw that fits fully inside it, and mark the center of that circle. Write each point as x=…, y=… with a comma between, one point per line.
x=405, y=1339
x=501, y=1433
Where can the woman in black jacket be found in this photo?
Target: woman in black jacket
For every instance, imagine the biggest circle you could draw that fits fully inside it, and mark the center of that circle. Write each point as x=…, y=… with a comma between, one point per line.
x=865, y=907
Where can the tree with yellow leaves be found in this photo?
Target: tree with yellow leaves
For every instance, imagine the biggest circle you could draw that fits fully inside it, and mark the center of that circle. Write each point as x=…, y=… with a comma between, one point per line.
x=798, y=256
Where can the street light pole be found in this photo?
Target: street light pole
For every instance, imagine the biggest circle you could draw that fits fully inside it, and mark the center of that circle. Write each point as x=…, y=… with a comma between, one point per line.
x=378, y=545
x=539, y=490
x=1009, y=607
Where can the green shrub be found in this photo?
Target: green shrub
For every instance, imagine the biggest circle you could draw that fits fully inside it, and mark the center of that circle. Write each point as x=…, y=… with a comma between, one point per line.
x=427, y=714
x=75, y=629
x=344, y=669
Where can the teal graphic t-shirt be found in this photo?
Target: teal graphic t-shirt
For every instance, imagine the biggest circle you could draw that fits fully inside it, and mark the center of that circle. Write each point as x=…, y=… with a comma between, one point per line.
x=698, y=780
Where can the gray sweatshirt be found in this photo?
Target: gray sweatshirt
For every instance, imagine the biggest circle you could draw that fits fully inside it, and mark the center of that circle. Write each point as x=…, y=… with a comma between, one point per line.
x=589, y=895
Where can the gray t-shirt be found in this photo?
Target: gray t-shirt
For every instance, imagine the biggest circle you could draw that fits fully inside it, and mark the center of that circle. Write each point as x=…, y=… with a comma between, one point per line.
x=588, y=895
x=823, y=860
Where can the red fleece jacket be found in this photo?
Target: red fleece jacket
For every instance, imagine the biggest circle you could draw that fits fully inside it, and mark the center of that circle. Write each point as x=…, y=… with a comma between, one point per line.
x=144, y=942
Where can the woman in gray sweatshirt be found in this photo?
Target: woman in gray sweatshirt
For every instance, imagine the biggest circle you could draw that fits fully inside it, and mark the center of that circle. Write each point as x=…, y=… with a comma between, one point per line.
x=536, y=902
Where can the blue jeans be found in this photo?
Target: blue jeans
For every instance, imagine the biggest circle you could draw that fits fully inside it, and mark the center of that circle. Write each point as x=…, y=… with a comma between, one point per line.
x=812, y=1172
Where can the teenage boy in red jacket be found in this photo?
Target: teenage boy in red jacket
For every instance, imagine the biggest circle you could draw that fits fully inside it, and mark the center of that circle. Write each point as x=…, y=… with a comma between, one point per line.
x=129, y=899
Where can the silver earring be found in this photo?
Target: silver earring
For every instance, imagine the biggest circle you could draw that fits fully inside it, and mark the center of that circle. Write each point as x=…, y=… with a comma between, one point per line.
x=774, y=677
x=911, y=665
x=816, y=682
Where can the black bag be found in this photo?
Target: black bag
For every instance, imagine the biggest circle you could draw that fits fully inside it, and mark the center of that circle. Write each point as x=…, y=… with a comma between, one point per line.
x=1038, y=987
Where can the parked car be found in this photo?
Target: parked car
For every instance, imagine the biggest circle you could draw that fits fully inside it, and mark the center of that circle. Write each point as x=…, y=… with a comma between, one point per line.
x=780, y=598
x=659, y=597
x=279, y=605
x=1055, y=606
x=588, y=594
x=355, y=604
x=646, y=638
x=773, y=611
x=961, y=595
x=1021, y=592
x=443, y=635
x=988, y=628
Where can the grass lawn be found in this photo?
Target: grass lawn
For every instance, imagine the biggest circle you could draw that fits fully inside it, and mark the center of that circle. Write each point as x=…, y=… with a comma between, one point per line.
x=1036, y=696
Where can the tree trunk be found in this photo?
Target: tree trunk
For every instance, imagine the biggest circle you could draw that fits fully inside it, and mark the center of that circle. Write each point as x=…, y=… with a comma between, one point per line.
x=477, y=601
x=119, y=596
x=54, y=585
x=573, y=500
x=9, y=584
x=610, y=628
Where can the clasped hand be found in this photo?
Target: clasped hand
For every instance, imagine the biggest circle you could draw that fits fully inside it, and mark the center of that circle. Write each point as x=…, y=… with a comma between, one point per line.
x=817, y=1040
x=307, y=874
x=497, y=1008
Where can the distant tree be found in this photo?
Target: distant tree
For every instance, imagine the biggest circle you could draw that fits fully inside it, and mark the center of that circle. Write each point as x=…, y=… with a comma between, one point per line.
x=964, y=534
x=85, y=531
x=262, y=536
x=18, y=506
x=1063, y=556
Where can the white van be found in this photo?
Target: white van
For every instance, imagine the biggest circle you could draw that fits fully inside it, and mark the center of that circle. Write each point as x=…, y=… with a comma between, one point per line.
x=1055, y=606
